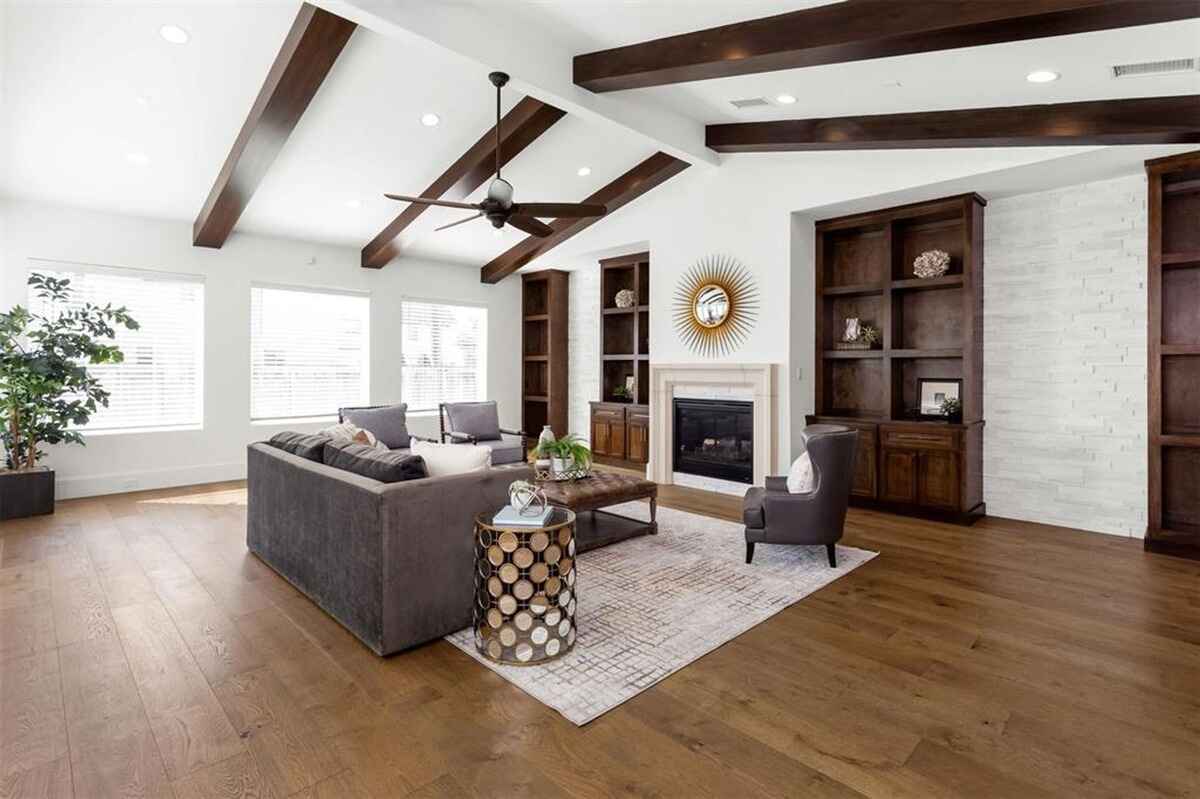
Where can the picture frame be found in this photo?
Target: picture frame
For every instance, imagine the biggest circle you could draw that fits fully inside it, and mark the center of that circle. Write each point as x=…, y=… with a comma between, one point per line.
x=932, y=392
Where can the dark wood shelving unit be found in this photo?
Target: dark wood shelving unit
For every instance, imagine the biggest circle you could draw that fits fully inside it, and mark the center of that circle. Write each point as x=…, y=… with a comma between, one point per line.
x=621, y=428
x=1173, y=286
x=544, y=309
x=931, y=328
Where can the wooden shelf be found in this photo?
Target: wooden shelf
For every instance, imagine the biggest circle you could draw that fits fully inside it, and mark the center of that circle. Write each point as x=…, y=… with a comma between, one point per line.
x=544, y=368
x=850, y=291
x=536, y=398
x=620, y=357
x=948, y=352
x=537, y=357
x=537, y=317
x=1178, y=260
x=849, y=354
x=921, y=283
x=1180, y=349
x=617, y=311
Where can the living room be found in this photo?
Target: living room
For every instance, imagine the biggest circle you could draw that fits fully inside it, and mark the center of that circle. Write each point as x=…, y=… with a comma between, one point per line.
x=591, y=399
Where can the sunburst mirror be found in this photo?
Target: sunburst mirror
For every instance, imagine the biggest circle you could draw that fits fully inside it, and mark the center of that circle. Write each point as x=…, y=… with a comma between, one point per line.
x=715, y=305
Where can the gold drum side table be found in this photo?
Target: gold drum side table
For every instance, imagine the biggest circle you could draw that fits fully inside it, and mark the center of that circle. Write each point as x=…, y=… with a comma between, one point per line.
x=525, y=589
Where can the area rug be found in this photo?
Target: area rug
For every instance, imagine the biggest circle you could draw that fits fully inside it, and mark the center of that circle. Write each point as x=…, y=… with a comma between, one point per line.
x=652, y=605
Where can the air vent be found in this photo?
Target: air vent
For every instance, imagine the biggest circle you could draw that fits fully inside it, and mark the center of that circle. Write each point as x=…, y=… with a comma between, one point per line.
x=1146, y=69
x=749, y=102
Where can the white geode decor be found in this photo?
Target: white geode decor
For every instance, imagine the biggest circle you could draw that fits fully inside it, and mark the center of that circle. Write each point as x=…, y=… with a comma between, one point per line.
x=931, y=263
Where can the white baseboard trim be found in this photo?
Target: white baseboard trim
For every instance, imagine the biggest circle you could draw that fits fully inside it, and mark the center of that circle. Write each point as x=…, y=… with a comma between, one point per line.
x=95, y=485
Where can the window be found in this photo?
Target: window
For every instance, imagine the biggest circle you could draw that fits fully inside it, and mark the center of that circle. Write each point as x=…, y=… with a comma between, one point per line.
x=160, y=384
x=443, y=354
x=309, y=352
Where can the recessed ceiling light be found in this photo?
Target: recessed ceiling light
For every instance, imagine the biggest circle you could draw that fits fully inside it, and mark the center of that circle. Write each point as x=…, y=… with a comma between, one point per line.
x=1042, y=76
x=583, y=171
x=786, y=99
x=141, y=159
x=174, y=34
x=429, y=120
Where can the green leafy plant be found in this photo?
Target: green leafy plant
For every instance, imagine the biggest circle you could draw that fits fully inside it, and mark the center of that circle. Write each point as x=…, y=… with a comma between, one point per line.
x=951, y=407
x=45, y=386
x=868, y=334
x=568, y=448
x=622, y=393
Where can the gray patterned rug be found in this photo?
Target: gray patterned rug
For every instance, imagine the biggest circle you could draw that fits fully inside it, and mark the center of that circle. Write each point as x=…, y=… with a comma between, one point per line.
x=652, y=605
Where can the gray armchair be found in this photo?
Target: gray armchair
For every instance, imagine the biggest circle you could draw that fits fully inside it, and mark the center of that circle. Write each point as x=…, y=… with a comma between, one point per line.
x=772, y=515
x=479, y=423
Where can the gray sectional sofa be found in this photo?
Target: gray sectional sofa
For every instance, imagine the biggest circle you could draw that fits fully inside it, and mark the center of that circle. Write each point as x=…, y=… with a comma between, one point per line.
x=393, y=562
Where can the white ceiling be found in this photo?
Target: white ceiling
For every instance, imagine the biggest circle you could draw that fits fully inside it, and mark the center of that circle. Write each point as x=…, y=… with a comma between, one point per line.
x=86, y=85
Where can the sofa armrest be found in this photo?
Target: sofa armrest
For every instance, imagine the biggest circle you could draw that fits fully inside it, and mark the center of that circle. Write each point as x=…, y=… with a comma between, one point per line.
x=459, y=438
x=776, y=485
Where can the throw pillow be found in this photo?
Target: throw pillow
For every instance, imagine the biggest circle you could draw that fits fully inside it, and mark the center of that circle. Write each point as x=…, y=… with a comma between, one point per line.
x=381, y=465
x=479, y=419
x=349, y=433
x=309, y=447
x=800, y=476
x=387, y=424
x=445, y=459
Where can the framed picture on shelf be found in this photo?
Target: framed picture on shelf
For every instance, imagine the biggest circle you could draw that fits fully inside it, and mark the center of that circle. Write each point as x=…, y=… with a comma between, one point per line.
x=933, y=394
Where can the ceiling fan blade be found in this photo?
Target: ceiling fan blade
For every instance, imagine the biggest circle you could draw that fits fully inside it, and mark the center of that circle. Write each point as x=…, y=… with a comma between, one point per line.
x=460, y=222
x=530, y=225
x=560, y=210
x=431, y=201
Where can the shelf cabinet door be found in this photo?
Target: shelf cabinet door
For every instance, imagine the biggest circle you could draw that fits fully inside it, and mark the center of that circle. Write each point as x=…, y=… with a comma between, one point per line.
x=608, y=433
x=638, y=429
x=899, y=470
x=938, y=479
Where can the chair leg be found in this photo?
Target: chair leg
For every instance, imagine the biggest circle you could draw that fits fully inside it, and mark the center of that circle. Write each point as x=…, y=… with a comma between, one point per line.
x=832, y=550
x=749, y=551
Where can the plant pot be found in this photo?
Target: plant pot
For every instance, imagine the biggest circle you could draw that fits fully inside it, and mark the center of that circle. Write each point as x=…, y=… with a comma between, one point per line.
x=560, y=465
x=26, y=492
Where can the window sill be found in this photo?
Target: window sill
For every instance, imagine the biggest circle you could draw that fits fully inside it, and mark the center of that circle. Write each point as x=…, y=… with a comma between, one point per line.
x=134, y=431
x=294, y=420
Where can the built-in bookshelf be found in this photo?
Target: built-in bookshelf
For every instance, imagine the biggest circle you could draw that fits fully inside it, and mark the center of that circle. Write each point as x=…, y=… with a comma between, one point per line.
x=544, y=310
x=931, y=328
x=620, y=424
x=1173, y=285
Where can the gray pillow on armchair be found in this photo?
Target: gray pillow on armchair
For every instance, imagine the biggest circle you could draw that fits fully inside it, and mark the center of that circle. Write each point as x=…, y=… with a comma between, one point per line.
x=478, y=419
x=387, y=423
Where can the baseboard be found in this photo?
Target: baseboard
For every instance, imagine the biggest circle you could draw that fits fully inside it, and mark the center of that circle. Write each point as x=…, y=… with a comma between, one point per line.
x=123, y=482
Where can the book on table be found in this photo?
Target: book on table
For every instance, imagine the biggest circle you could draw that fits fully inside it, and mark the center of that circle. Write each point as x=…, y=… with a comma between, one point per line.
x=510, y=515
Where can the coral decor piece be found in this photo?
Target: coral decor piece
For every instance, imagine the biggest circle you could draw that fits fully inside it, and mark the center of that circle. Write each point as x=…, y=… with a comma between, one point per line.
x=931, y=263
x=625, y=298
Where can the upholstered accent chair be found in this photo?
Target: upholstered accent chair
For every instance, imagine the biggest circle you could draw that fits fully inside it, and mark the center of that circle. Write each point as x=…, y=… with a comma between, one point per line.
x=479, y=423
x=773, y=515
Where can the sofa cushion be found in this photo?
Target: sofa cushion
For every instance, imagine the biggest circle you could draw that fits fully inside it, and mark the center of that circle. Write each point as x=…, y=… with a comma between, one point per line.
x=478, y=419
x=800, y=476
x=307, y=446
x=378, y=464
x=509, y=449
x=389, y=424
x=446, y=459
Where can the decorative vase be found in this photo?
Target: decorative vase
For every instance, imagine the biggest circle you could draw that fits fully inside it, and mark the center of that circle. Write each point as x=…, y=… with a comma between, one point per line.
x=546, y=437
x=561, y=465
x=625, y=298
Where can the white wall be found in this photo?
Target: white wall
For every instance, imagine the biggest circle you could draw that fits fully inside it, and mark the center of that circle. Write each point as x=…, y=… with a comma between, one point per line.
x=123, y=462
x=1065, y=357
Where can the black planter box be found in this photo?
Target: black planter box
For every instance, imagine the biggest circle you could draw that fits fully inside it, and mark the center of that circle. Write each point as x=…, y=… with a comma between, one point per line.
x=26, y=493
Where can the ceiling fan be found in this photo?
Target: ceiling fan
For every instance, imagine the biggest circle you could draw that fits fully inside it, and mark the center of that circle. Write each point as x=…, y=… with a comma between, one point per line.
x=499, y=207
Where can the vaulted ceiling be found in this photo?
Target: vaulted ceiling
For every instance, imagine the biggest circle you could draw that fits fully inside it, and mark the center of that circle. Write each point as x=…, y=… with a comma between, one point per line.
x=101, y=112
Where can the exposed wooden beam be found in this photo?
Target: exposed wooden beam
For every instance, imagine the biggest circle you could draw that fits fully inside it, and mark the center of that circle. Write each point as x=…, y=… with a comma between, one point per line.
x=1145, y=120
x=308, y=53
x=656, y=169
x=527, y=120
x=858, y=30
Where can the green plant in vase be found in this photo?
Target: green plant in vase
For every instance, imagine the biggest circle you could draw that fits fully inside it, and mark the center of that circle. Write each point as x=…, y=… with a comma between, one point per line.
x=952, y=408
x=566, y=453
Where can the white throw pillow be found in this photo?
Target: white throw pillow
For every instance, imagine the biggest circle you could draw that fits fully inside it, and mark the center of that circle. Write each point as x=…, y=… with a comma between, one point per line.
x=800, y=476
x=347, y=432
x=444, y=459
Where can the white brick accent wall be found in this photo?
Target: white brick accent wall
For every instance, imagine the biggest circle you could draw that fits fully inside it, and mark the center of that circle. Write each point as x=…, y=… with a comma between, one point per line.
x=1065, y=357
x=583, y=331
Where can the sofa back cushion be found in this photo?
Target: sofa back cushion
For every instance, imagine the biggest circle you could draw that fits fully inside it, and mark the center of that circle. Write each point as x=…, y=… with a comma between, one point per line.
x=446, y=459
x=378, y=464
x=388, y=423
x=478, y=419
x=309, y=447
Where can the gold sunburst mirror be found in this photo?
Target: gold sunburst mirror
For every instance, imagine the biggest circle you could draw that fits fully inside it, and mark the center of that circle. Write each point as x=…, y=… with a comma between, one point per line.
x=715, y=305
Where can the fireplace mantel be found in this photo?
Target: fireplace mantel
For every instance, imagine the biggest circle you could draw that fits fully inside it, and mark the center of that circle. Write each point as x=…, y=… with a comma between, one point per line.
x=755, y=380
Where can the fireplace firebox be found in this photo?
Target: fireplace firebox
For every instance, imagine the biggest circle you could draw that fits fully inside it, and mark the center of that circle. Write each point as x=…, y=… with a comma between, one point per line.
x=715, y=438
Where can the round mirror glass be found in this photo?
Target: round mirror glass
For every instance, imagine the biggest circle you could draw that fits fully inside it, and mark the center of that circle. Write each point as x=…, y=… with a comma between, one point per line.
x=711, y=307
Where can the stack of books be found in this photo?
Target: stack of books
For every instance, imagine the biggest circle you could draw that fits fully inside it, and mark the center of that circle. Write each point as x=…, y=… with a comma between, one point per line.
x=508, y=515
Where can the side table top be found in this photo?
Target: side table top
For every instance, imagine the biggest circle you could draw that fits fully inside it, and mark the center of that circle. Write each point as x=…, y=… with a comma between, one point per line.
x=559, y=517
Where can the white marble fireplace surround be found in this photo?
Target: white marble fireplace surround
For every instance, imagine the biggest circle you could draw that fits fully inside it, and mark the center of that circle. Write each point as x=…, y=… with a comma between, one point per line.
x=750, y=381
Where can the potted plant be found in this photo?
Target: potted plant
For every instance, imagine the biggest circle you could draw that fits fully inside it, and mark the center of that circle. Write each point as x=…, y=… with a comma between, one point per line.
x=952, y=409
x=46, y=390
x=565, y=453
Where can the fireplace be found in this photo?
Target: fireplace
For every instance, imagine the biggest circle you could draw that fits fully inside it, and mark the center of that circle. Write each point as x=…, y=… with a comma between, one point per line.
x=714, y=438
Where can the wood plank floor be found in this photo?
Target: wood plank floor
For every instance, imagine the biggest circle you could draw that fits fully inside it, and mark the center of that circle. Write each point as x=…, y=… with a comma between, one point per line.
x=146, y=653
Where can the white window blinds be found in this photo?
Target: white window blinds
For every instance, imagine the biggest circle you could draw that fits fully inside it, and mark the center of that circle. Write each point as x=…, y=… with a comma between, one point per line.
x=309, y=352
x=443, y=354
x=160, y=384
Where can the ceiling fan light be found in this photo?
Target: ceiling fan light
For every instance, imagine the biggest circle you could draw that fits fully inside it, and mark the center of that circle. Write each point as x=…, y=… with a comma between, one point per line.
x=501, y=191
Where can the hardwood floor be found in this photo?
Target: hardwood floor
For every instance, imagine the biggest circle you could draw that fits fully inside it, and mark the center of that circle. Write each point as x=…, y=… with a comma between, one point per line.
x=146, y=653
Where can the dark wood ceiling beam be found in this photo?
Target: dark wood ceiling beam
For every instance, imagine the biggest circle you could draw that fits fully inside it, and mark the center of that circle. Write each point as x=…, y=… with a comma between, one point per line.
x=655, y=170
x=308, y=53
x=528, y=120
x=858, y=30
x=1145, y=120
